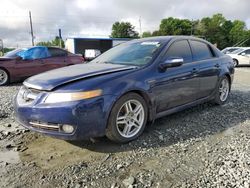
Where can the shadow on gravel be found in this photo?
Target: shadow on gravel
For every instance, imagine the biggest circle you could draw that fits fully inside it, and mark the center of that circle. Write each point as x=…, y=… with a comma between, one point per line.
x=196, y=122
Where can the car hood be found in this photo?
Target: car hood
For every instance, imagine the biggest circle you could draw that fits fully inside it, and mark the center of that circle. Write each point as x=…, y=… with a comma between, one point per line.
x=50, y=80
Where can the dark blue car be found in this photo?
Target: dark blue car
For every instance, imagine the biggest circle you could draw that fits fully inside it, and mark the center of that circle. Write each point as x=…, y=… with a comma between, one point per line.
x=117, y=93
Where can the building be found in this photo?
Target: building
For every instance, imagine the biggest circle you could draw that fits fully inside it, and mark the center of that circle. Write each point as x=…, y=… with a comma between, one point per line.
x=79, y=45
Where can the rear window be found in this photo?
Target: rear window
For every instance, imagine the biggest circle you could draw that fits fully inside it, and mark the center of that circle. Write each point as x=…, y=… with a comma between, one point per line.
x=57, y=52
x=201, y=51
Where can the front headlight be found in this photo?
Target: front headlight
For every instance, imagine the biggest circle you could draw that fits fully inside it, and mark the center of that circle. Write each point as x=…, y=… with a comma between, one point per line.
x=67, y=97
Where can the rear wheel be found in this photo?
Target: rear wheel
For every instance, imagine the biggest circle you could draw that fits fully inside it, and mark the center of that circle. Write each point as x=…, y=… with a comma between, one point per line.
x=4, y=77
x=127, y=119
x=222, y=92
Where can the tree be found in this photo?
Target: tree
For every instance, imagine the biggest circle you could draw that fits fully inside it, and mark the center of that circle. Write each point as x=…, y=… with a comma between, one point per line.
x=146, y=34
x=175, y=26
x=55, y=42
x=238, y=32
x=156, y=33
x=123, y=30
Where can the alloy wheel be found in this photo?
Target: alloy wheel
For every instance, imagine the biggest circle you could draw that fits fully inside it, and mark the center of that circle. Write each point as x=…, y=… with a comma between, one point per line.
x=130, y=118
x=224, y=90
x=3, y=77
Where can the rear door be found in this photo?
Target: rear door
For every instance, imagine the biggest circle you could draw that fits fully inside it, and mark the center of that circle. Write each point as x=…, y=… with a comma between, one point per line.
x=209, y=67
x=178, y=85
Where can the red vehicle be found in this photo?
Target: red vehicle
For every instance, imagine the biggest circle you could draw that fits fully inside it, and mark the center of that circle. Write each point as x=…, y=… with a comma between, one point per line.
x=23, y=63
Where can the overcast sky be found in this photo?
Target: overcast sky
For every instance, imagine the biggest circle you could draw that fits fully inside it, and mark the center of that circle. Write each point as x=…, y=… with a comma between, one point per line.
x=94, y=18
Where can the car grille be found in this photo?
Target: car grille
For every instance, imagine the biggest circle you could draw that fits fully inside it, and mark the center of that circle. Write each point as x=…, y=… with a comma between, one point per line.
x=45, y=126
x=27, y=95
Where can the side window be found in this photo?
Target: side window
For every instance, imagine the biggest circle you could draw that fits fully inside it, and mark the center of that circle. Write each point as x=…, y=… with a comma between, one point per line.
x=180, y=49
x=57, y=52
x=247, y=52
x=201, y=51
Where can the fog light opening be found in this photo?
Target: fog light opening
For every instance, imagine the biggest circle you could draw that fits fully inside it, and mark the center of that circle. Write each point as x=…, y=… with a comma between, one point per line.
x=67, y=128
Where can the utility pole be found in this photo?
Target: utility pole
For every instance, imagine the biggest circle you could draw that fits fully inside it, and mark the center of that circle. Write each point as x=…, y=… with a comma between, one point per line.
x=31, y=29
x=60, y=37
x=140, y=25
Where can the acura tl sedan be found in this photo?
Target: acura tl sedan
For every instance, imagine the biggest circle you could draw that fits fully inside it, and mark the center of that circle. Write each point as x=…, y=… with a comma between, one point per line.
x=121, y=90
x=23, y=63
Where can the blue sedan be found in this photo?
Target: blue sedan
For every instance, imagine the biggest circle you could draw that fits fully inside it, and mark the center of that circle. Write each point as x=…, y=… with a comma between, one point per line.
x=117, y=93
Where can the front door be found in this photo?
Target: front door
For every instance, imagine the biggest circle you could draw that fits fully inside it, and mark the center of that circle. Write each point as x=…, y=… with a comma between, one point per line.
x=178, y=85
x=244, y=57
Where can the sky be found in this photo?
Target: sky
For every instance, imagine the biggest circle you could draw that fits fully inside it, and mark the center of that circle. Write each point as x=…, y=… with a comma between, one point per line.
x=94, y=18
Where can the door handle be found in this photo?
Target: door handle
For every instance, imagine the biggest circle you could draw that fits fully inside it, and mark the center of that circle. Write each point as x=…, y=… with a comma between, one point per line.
x=217, y=65
x=194, y=71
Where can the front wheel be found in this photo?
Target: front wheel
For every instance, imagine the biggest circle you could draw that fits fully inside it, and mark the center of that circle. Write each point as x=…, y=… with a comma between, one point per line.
x=127, y=119
x=236, y=63
x=222, y=92
x=4, y=77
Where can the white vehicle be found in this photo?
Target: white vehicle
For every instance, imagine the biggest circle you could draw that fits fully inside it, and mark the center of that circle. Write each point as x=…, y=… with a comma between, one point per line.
x=241, y=56
x=90, y=54
x=229, y=50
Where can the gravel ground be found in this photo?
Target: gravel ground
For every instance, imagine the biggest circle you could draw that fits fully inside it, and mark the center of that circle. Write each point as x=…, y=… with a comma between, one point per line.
x=205, y=146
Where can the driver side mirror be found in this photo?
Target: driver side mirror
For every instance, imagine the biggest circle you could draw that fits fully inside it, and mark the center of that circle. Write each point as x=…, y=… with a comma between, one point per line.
x=243, y=54
x=171, y=62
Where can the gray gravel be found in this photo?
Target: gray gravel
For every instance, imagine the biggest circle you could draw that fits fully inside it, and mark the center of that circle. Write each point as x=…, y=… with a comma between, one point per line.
x=205, y=146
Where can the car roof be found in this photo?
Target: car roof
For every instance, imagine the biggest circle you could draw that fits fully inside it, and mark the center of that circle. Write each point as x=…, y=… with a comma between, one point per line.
x=166, y=39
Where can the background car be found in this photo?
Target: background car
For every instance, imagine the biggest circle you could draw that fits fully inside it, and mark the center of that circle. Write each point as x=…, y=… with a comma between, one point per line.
x=117, y=93
x=241, y=56
x=22, y=63
x=229, y=49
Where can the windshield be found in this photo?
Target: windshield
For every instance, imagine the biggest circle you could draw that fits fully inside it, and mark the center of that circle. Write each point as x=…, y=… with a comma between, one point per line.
x=13, y=53
x=135, y=53
x=237, y=51
x=37, y=52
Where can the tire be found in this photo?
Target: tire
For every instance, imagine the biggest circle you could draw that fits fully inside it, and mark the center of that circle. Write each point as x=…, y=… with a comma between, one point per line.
x=132, y=112
x=236, y=62
x=4, y=77
x=222, y=91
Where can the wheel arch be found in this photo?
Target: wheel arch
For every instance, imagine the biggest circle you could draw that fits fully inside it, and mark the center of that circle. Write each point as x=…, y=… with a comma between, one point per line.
x=7, y=71
x=229, y=79
x=141, y=93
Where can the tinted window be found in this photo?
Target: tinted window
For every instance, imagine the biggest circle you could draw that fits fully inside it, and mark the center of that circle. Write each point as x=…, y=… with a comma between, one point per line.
x=201, y=51
x=57, y=52
x=180, y=49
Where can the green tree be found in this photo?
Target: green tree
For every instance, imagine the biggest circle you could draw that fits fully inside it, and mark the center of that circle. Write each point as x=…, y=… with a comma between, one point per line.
x=175, y=26
x=156, y=33
x=146, y=34
x=56, y=42
x=123, y=30
x=238, y=33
